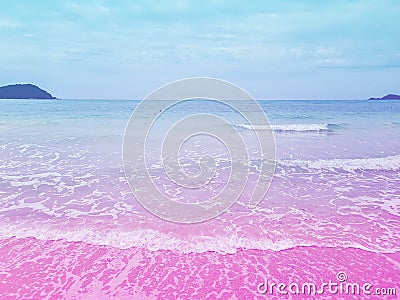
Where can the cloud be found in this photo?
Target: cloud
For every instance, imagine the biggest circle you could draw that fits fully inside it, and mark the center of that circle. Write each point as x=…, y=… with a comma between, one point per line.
x=9, y=24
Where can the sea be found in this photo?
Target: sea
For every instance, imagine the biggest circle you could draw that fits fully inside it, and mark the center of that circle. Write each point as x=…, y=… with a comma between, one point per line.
x=71, y=228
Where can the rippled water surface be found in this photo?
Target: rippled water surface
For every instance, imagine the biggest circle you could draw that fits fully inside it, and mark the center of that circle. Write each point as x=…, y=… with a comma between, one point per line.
x=336, y=186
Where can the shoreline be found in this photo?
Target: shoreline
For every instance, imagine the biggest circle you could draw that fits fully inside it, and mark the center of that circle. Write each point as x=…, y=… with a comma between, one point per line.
x=73, y=270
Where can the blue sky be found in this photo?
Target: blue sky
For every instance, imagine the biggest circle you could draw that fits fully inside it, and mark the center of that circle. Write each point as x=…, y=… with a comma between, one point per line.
x=120, y=49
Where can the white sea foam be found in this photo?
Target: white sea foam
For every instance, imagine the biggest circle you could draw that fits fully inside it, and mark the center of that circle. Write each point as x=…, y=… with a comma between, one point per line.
x=392, y=206
x=390, y=163
x=155, y=241
x=288, y=127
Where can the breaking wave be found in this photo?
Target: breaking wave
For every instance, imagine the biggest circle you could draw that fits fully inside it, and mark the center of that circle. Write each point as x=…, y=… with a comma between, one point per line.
x=389, y=163
x=324, y=127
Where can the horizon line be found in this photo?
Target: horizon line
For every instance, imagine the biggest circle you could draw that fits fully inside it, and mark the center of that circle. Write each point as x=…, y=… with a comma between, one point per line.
x=263, y=99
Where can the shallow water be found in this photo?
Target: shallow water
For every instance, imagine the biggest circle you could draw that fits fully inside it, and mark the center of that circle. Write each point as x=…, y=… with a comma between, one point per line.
x=336, y=186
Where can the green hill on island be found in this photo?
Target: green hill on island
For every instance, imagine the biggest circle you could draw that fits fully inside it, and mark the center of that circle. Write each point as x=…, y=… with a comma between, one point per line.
x=387, y=97
x=23, y=91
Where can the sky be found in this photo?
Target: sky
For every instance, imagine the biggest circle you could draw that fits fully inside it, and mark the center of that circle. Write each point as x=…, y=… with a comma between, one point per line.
x=274, y=49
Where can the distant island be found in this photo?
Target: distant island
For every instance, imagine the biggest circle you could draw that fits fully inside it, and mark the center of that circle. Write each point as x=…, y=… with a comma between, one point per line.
x=23, y=91
x=387, y=97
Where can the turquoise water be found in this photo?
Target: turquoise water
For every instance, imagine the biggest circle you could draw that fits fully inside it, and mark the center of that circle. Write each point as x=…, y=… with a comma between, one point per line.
x=342, y=128
x=61, y=161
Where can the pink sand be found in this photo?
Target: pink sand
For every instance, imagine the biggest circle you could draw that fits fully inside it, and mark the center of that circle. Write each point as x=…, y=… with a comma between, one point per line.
x=35, y=269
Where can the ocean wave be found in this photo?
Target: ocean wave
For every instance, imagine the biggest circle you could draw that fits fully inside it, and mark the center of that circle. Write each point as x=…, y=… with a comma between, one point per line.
x=323, y=127
x=154, y=240
x=389, y=163
x=150, y=239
